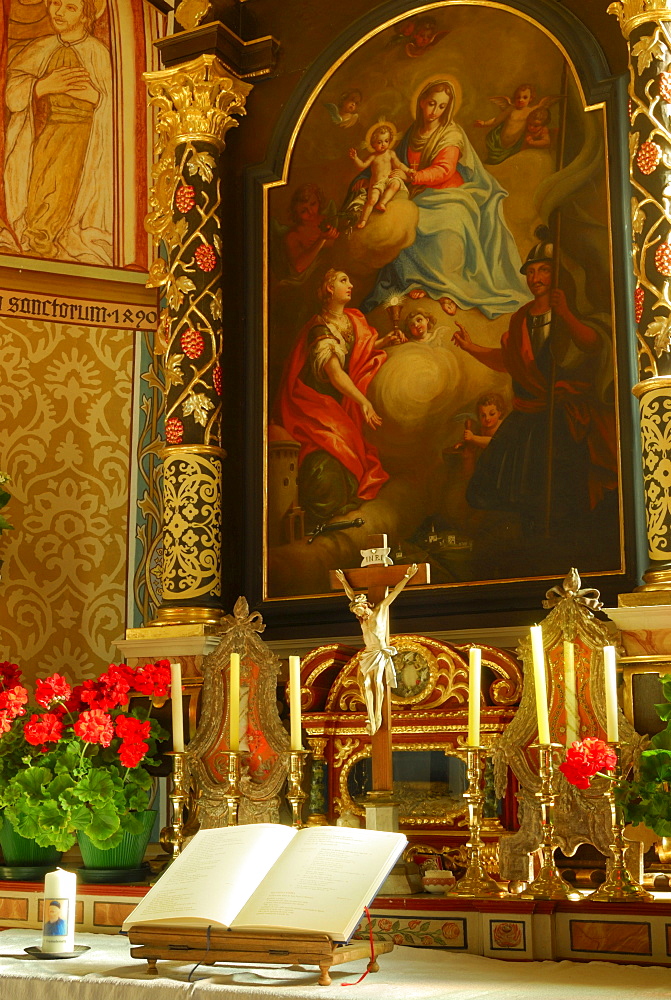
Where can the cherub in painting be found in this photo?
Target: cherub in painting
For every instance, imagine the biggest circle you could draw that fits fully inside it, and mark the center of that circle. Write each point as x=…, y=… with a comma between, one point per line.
x=537, y=135
x=508, y=127
x=419, y=34
x=386, y=171
x=344, y=113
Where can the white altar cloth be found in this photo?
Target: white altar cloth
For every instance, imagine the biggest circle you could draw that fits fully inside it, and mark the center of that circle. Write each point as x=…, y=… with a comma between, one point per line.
x=107, y=972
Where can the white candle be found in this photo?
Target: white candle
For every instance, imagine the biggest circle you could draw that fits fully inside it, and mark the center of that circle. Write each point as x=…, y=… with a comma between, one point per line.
x=474, y=675
x=295, y=702
x=610, y=682
x=177, y=707
x=60, y=895
x=538, y=659
x=234, y=703
x=570, y=694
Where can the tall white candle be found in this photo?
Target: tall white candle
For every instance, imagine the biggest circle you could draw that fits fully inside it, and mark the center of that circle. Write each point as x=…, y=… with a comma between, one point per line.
x=58, y=927
x=234, y=703
x=610, y=682
x=570, y=694
x=538, y=659
x=177, y=707
x=474, y=685
x=295, y=702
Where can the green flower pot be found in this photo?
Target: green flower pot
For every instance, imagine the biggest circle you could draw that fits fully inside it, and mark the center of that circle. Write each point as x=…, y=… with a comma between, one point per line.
x=20, y=852
x=127, y=854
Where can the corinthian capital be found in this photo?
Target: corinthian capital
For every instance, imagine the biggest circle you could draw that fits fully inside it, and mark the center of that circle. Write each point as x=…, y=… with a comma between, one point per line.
x=632, y=13
x=196, y=101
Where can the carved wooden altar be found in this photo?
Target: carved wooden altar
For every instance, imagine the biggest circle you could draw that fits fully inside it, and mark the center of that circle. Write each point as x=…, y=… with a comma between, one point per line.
x=263, y=739
x=580, y=816
x=429, y=713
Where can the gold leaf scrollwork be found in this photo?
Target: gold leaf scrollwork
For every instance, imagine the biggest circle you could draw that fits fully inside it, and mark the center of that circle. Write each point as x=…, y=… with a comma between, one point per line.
x=656, y=440
x=192, y=486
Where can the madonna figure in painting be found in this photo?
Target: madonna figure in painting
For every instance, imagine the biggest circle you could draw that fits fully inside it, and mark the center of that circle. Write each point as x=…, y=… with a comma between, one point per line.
x=58, y=177
x=323, y=404
x=463, y=254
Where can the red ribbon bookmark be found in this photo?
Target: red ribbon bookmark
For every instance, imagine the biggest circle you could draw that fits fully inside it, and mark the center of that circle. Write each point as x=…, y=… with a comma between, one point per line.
x=372, y=950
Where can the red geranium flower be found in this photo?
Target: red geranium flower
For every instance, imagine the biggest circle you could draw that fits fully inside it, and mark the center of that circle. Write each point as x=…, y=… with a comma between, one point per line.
x=74, y=703
x=46, y=728
x=585, y=758
x=54, y=688
x=95, y=726
x=131, y=729
x=5, y=722
x=12, y=701
x=130, y=754
x=153, y=679
x=10, y=674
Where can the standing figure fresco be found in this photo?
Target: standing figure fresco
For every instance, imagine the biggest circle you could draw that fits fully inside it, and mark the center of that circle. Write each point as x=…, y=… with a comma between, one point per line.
x=324, y=404
x=463, y=252
x=58, y=167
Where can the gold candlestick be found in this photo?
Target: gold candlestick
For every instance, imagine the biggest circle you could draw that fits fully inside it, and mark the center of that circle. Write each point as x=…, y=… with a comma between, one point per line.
x=475, y=882
x=548, y=884
x=172, y=837
x=233, y=790
x=295, y=792
x=620, y=886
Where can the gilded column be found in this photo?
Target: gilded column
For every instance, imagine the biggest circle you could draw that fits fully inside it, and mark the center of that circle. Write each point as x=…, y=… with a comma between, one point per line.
x=646, y=24
x=195, y=104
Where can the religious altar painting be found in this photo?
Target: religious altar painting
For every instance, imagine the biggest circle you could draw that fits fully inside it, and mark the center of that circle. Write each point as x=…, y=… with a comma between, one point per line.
x=74, y=177
x=413, y=327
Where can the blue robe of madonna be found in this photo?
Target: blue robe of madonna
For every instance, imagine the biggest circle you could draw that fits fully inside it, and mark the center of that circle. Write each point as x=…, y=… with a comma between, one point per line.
x=463, y=248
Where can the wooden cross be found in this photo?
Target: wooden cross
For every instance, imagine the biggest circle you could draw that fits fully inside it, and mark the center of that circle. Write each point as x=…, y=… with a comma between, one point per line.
x=375, y=579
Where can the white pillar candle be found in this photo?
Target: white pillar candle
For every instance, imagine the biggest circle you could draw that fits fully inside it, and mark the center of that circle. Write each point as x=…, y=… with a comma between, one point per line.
x=610, y=683
x=177, y=707
x=570, y=694
x=538, y=660
x=234, y=703
x=474, y=685
x=295, y=702
x=58, y=927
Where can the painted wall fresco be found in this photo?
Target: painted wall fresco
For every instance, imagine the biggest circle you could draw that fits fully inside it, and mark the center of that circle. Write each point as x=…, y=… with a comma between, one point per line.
x=74, y=178
x=68, y=453
x=407, y=388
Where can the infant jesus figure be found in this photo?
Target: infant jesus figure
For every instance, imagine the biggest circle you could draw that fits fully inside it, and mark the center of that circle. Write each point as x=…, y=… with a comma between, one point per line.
x=376, y=665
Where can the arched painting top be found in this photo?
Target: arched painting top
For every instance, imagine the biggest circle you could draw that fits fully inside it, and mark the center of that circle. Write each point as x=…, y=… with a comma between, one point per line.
x=439, y=308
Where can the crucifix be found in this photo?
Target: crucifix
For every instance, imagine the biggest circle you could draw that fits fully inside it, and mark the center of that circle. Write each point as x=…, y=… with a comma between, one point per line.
x=376, y=667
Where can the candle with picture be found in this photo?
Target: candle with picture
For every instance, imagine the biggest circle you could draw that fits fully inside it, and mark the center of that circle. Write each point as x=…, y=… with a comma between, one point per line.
x=58, y=928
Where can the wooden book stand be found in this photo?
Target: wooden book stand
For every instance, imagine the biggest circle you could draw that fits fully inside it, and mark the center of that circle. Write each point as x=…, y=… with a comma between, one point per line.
x=213, y=945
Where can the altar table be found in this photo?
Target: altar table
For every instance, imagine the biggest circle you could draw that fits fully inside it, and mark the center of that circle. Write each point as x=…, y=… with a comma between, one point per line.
x=107, y=972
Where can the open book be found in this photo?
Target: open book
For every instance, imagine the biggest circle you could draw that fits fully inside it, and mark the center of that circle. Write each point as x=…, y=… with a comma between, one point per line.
x=267, y=877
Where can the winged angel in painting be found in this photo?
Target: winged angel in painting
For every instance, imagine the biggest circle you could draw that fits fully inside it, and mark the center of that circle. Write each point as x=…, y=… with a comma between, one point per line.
x=58, y=144
x=391, y=410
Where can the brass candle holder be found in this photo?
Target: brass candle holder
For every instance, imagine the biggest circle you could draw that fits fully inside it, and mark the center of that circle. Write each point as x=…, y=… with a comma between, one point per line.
x=476, y=882
x=548, y=884
x=172, y=837
x=295, y=793
x=232, y=795
x=620, y=886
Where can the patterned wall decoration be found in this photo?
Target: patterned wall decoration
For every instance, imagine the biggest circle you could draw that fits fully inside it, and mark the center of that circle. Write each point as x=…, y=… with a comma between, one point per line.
x=64, y=398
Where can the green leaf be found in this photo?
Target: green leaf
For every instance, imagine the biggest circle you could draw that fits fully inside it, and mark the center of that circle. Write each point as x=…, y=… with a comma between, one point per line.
x=104, y=822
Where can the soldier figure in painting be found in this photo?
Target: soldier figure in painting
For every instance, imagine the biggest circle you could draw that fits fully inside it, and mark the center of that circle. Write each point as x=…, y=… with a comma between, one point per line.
x=557, y=428
x=58, y=177
x=376, y=666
